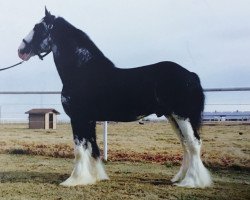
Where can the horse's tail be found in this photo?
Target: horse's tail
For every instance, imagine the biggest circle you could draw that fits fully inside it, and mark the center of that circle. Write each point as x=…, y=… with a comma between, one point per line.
x=198, y=98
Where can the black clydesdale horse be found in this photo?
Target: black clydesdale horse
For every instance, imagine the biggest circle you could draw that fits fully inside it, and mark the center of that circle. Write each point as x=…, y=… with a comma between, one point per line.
x=95, y=90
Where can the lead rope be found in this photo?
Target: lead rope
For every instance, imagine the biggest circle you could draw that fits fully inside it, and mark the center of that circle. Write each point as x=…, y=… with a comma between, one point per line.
x=50, y=26
x=39, y=55
x=11, y=66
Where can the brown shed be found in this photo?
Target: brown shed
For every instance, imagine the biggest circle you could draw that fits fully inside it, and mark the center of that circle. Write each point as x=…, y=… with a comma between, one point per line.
x=42, y=118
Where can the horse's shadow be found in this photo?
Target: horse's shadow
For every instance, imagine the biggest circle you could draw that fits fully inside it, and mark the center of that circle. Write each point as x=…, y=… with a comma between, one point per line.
x=57, y=178
x=155, y=182
x=32, y=177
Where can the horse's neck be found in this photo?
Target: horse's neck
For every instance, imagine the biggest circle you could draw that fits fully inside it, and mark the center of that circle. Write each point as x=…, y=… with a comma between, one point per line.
x=73, y=57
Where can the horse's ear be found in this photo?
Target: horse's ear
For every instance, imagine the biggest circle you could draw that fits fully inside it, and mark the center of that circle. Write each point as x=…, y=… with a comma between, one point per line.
x=47, y=13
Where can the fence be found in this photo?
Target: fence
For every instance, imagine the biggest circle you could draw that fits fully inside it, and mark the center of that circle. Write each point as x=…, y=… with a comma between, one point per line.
x=13, y=109
x=14, y=104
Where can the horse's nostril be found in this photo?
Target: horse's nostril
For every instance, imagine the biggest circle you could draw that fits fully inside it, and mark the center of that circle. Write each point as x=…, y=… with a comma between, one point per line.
x=20, y=51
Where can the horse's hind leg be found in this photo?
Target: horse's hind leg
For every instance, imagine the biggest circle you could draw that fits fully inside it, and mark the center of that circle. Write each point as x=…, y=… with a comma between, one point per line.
x=196, y=174
x=88, y=167
x=185, y=162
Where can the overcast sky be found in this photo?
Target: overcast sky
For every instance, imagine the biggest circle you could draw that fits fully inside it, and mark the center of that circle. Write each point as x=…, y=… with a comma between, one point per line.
x=209, y=37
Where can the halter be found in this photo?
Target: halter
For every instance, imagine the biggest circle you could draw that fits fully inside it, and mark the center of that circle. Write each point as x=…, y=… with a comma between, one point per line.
x=49, y=27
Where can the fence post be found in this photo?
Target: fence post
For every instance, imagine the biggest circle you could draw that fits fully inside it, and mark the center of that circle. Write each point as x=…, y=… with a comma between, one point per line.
x=0, y=114
x=105, y=140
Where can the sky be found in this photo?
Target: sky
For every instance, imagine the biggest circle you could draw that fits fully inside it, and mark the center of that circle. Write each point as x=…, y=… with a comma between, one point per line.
x=209, y=37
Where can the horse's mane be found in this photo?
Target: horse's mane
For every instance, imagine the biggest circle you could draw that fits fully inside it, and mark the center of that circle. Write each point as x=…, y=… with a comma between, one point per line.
x=65, y=29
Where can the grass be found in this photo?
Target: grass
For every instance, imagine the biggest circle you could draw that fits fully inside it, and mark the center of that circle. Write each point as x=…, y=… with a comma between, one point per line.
x=224, y=145
x=36, y=177
x=142, y=160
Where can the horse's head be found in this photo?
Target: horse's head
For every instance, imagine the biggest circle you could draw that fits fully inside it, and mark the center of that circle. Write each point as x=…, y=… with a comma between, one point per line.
x=38, y=41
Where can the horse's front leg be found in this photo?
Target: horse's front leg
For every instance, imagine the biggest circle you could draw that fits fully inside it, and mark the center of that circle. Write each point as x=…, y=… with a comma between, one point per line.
x=88, y=166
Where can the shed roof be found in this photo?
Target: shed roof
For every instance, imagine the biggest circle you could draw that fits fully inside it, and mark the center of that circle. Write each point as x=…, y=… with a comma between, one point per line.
x=42, y=111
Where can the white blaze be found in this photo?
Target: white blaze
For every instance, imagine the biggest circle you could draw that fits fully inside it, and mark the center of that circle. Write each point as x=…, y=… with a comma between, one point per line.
x=28, y=39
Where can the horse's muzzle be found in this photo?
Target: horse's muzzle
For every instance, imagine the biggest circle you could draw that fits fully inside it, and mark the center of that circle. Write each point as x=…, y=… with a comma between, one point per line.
x=24, y=52
x=24, y=56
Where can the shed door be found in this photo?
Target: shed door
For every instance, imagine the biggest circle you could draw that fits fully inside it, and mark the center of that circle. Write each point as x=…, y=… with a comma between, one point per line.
x=51, y=120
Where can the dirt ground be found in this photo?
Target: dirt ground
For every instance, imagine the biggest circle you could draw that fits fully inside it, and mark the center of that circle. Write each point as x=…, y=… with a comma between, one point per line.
x=142, y=160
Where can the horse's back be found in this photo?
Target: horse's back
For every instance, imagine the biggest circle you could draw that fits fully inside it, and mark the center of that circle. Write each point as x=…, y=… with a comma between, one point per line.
x=165, y=73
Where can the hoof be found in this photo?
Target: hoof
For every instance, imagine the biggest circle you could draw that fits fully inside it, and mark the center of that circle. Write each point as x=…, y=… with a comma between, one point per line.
x=178, y=177
x=76, y=181
x=198, y=181
x=185, y=184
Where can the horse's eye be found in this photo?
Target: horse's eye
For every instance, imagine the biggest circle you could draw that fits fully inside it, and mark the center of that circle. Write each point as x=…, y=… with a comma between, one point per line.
x=50, y=26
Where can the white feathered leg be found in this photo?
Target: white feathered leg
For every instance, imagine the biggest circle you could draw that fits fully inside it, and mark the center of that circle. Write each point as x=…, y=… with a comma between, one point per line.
x=184, y=167
x=185, y=162
x=87, y=169
x=196, y=175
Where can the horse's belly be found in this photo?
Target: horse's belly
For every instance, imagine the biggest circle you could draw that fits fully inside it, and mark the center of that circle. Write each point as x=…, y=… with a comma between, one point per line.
x=122, y=110
x=120, y=117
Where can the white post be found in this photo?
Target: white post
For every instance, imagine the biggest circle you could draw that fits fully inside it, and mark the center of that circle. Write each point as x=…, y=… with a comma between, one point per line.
x=105, y=140
x=0, y=114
